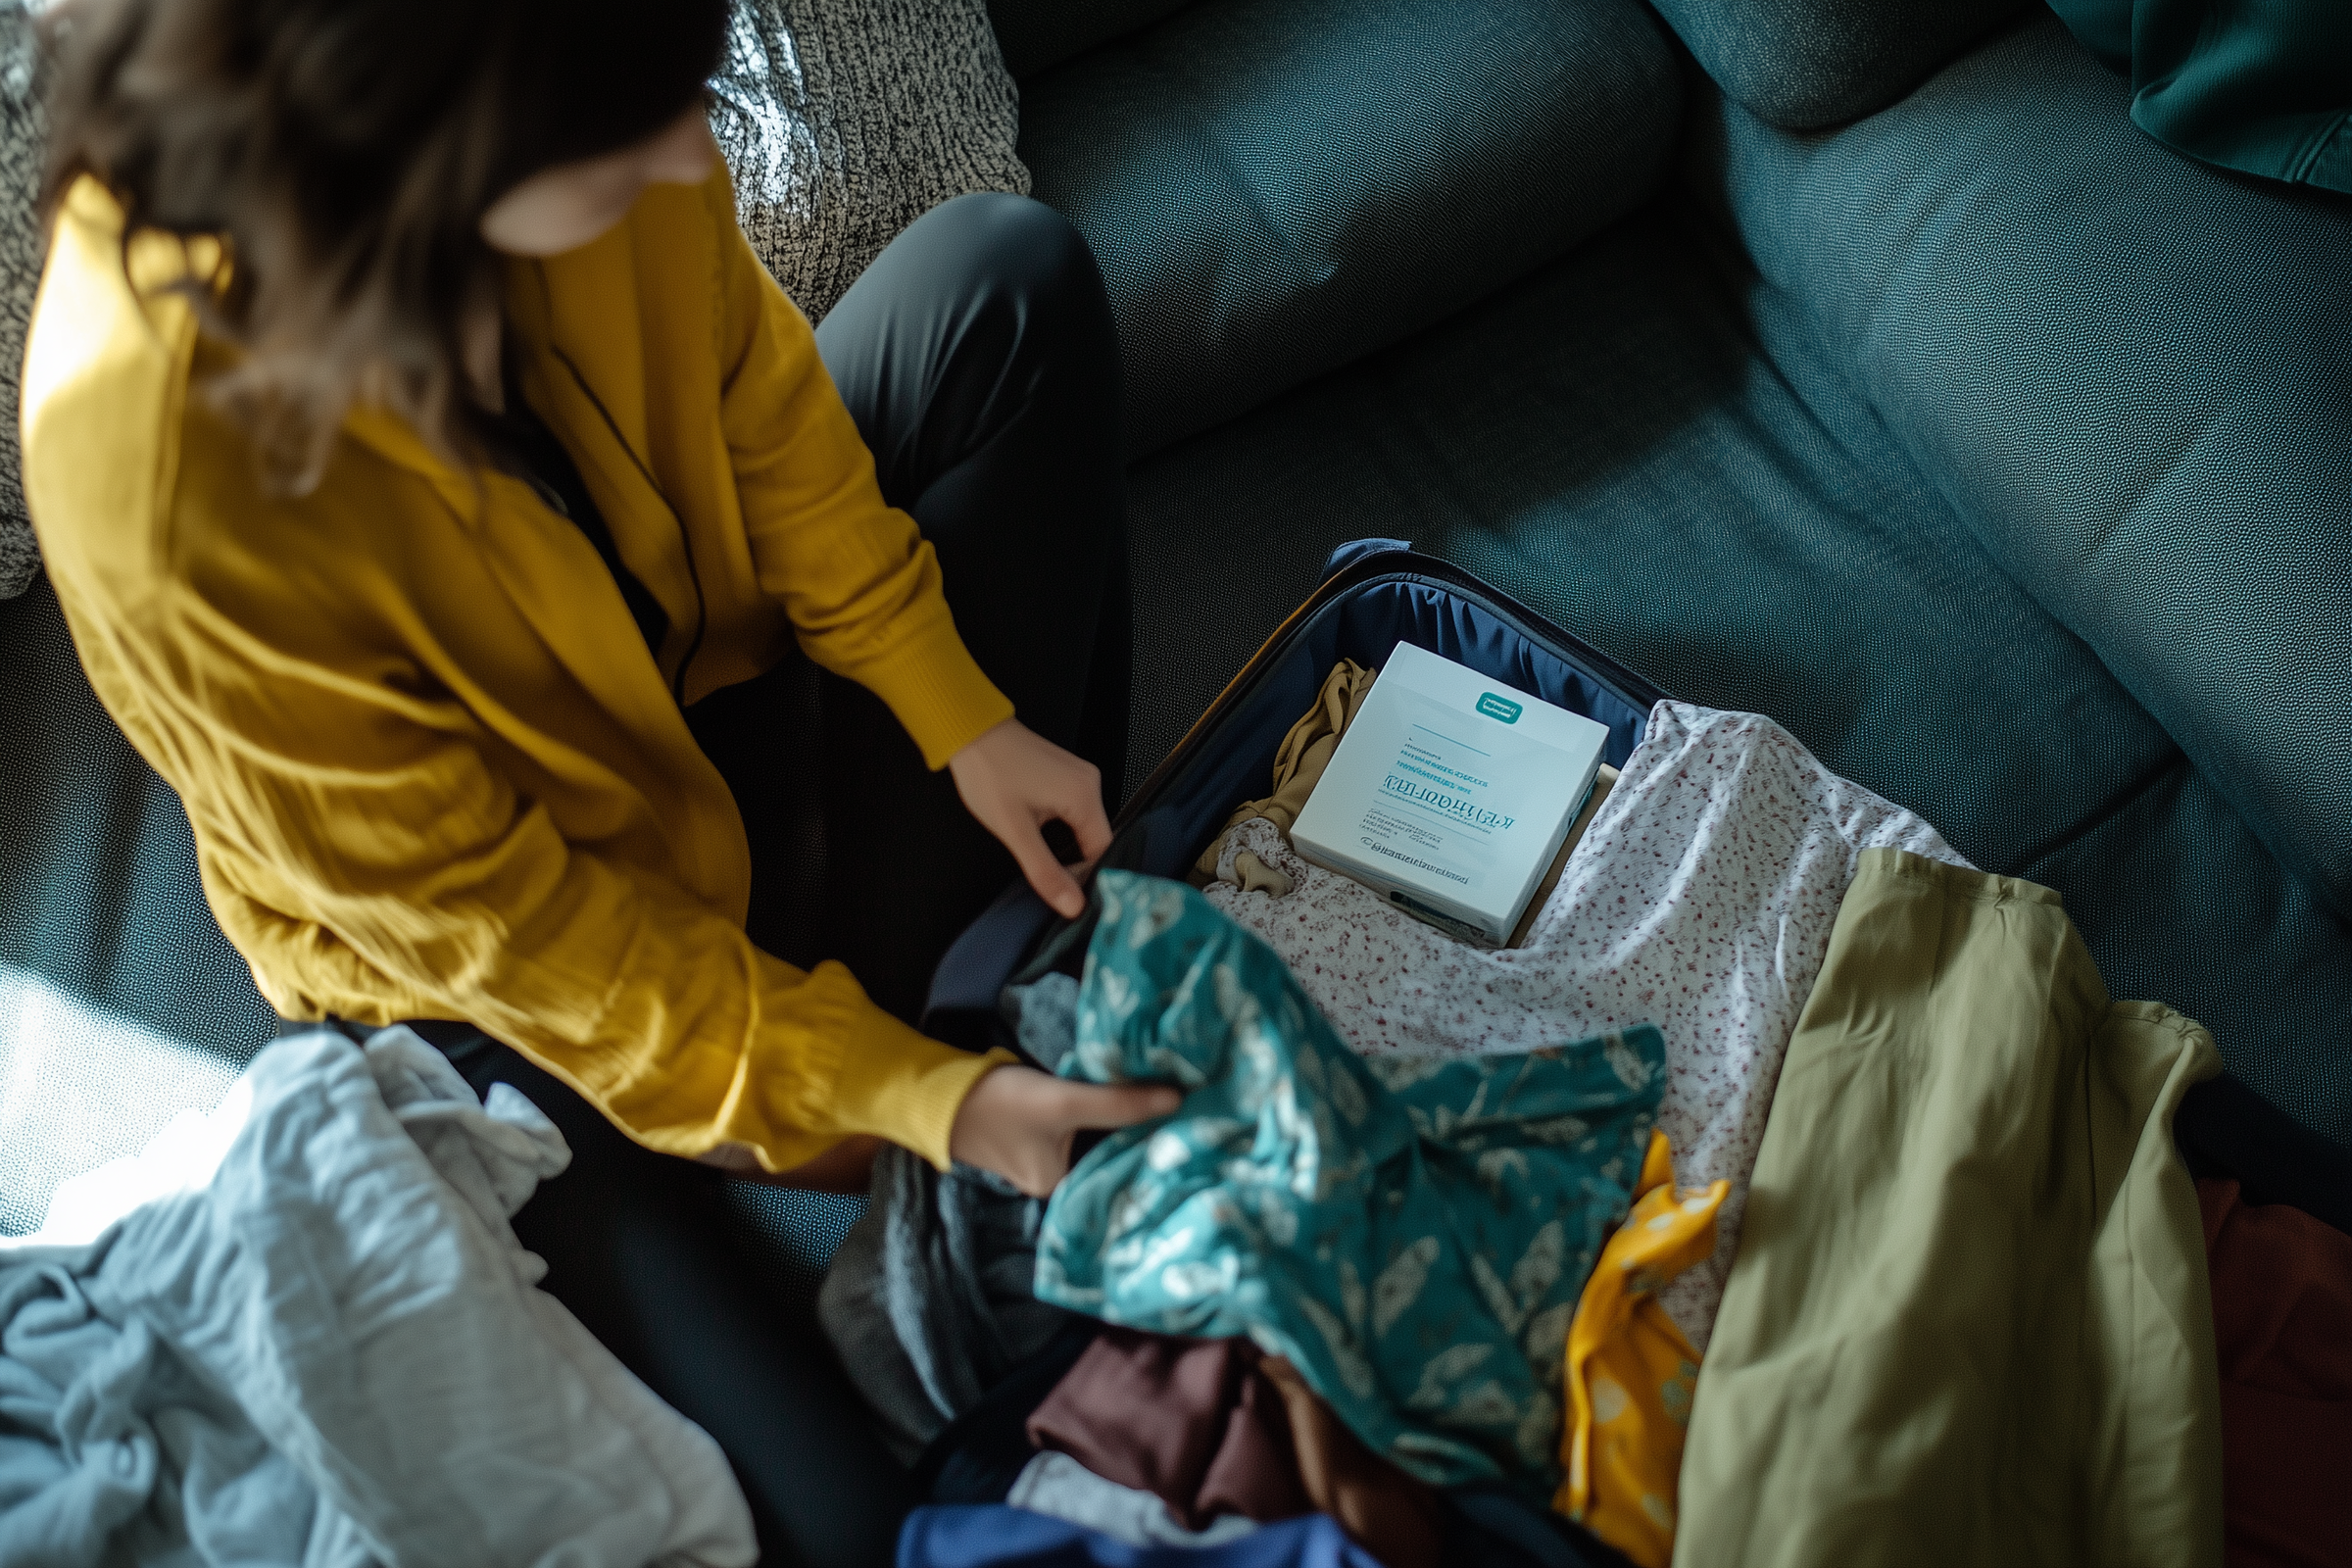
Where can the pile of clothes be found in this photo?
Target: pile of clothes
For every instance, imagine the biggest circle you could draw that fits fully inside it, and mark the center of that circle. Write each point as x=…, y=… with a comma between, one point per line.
x=300, y=1331
x=1786, y=1191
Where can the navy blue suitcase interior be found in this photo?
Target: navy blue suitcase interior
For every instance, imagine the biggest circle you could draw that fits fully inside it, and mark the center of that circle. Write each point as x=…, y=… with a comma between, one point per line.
x=1374, y=594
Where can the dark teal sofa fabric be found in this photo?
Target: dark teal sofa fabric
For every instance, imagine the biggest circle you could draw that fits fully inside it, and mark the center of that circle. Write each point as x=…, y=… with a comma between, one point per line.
x=1804, y=63
x=1035, y=34
x=2128, y=375
x=1663, y=454
x=1275, y=187
x=2261, y=86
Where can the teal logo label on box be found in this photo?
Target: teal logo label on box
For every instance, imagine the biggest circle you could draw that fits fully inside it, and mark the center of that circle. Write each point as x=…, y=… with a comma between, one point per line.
x=1502, y=707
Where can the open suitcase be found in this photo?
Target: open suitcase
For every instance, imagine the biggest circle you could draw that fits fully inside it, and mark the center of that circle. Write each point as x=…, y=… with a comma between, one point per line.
x=1374, y=594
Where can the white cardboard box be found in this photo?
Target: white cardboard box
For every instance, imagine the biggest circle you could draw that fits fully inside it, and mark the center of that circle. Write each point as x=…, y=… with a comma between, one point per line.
x=1450, y=793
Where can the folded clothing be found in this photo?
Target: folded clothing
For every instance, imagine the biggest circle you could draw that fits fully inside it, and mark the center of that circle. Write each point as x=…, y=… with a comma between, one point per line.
x=928, y=1301
x=318, y=1341
x=1969, y=1321
x=2282, y=1286
x=1410, y=1234
x=1700, y=899
x=1215, y=1427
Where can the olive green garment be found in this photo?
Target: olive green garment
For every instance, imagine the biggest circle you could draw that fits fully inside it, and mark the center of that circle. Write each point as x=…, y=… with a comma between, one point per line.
x=2261, y=86
x=1969, y=1322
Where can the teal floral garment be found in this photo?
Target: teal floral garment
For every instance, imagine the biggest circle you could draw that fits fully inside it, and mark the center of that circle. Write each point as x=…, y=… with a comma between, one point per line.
x=1412, y=1234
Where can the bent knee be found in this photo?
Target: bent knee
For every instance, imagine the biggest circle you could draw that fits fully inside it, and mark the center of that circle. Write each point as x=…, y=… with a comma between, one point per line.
x=1022, y=244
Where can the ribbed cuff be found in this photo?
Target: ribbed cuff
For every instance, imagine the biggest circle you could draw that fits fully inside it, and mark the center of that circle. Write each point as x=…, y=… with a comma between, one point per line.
x=902, y=1084
x=938, y=691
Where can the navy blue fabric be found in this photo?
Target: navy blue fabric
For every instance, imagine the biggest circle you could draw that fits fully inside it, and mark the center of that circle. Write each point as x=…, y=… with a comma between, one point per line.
x=2226, y=1129
x=2128, y=375
x=997, y=1537
x=1274, y=187
x=1664, y=457
x=977, y=1457
x=1356, y=549
x=1494, y=1527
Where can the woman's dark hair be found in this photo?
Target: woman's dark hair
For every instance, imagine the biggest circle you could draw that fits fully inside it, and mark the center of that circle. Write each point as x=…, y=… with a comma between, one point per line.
x=346, y=150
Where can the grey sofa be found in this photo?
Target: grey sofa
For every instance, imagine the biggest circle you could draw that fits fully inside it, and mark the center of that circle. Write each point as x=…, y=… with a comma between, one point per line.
x=1853, y=362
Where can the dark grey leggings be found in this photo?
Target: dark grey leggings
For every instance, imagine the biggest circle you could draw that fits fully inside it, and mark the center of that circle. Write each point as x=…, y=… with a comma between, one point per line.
x=978, y=358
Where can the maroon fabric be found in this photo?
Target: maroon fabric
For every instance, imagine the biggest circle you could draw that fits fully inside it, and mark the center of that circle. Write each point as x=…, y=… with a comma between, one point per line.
x=2283, y=1328
x=1190, y=1420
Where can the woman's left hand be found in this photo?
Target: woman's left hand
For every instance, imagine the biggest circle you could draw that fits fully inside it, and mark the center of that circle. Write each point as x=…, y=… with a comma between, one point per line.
x=1014, y=781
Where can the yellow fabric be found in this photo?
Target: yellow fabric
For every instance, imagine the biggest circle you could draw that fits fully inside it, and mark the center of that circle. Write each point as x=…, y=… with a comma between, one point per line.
x=430, y=768
x=1630, y=1371
x=1969, y=1322
x=1299, y=765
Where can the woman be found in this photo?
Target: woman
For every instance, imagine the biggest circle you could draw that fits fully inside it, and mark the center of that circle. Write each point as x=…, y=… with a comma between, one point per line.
x=437, y=488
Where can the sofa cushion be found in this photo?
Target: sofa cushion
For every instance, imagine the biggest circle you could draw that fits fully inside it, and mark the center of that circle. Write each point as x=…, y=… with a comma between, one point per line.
x=1803, y=63
x=2130, y=374
x=1038, y=34
x=1274, y=187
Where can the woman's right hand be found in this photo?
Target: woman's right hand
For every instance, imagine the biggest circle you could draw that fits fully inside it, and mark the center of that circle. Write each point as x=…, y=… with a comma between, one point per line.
x=1019, y=1122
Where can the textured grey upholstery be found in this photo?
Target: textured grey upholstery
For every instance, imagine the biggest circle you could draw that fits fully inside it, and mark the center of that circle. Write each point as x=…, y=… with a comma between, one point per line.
x=1038, y=34
x=2128, y=375
x=1666, y=458
x=1804, y=63
x=1274, y=187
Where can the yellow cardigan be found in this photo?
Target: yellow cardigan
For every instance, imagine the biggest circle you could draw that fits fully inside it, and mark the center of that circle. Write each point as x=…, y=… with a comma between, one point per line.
x=430, y=769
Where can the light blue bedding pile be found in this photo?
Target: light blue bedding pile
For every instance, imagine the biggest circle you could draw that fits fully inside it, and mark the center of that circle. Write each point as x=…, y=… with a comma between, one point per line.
x=318, y=1341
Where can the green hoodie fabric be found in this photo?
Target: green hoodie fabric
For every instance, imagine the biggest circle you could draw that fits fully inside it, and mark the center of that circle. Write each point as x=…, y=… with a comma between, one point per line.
x=2261, y=86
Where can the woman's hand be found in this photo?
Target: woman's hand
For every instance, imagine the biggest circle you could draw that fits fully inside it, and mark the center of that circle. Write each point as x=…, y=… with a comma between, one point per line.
x=1018, y=1122
x=1014, y=781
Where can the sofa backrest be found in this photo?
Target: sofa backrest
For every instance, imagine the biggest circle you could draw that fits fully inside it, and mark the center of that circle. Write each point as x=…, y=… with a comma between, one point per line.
x=1037, y=34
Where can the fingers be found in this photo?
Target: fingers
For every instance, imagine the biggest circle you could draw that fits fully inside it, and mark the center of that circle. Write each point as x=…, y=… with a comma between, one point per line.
x=1087, y=820
x=1044, y=874
x=1108, y=1105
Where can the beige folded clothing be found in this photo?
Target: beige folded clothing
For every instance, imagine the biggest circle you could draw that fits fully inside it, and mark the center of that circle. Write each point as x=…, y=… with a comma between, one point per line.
x=1969, y=1322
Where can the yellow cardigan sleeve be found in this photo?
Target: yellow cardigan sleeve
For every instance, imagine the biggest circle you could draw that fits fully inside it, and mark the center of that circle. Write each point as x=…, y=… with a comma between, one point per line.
x=861, y=585
x=367, y=804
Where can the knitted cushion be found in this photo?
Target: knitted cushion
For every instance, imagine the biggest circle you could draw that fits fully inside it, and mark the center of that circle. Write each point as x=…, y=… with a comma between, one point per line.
x=22, y=125
x=844, y=120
